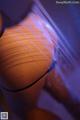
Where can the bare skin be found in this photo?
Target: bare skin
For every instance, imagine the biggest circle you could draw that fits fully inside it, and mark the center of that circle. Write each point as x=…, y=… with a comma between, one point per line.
x=24, y=101
x=40, y=114
x=50, y=85
x=56, y=87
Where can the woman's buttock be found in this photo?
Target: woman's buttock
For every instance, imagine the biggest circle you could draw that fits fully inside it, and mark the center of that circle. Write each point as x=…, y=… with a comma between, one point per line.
x=25, y=54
